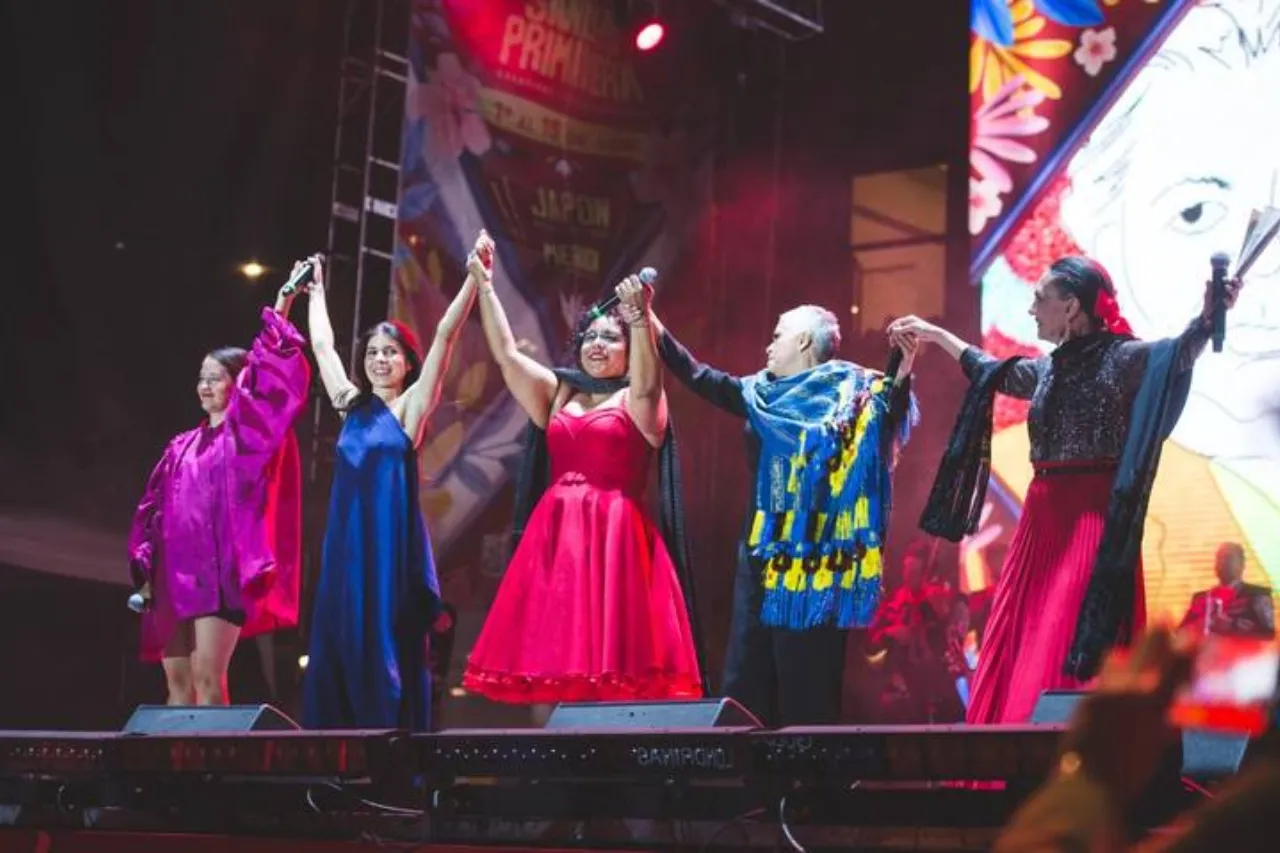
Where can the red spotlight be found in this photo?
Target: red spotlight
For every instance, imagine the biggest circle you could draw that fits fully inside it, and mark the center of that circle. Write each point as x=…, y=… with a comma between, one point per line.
x=650, y=36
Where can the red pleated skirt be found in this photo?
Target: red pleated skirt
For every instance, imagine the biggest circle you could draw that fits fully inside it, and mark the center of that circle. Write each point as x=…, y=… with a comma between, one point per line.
x=1041, y=589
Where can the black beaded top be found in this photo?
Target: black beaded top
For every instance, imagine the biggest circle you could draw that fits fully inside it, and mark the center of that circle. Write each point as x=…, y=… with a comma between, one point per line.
x=1082, y=393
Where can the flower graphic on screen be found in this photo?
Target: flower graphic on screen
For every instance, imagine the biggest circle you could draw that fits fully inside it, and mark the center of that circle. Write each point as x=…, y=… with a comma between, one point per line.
x=984, y=204
x=449, y=100
x=1097, y=48
x=1004, y=118
x=995, y=59
x=998, y=125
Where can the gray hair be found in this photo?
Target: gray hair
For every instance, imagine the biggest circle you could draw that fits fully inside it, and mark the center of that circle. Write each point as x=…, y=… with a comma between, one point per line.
x=823, y=327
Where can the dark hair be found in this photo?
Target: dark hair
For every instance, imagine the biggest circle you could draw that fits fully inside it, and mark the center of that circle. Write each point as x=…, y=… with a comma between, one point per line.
x=573, y=355
x=404, y=338
x=233, y=359
x=1083, y=278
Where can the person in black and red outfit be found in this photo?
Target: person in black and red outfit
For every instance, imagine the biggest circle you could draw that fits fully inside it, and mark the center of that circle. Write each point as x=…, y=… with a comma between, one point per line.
x=1233, y=608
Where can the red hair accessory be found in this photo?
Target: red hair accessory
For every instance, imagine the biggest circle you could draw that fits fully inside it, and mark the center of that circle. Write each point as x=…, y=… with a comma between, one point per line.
x=1106, y=309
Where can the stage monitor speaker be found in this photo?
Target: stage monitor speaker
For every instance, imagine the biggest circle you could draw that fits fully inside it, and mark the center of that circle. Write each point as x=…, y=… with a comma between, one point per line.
x=686, y=714
x=1211, y=756
x=202, y=719
x=1055, y=706
x=1204, y=755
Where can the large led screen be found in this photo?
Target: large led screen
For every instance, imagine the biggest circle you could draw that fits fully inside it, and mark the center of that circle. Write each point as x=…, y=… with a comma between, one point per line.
x=1168, y=176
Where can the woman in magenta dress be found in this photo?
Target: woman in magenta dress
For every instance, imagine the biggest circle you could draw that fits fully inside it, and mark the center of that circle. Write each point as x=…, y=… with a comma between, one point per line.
x=1101, y=405
x=591, y=606
x=216, y=539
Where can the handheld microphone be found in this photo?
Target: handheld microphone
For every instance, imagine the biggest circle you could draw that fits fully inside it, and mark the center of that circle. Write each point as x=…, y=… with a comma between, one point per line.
x=300, y=278
x=647, y=276
x=1219, y=262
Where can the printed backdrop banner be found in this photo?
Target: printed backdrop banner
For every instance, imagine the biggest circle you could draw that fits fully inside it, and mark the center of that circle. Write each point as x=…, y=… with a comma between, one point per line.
x=1167, y=176
x=1041, y=72
x=536, y=121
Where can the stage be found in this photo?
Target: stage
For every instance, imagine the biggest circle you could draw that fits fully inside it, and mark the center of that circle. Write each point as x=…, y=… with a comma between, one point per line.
x=729, y=788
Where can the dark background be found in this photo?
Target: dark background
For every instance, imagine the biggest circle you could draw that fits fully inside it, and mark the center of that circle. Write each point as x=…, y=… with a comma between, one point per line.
x=151, y=146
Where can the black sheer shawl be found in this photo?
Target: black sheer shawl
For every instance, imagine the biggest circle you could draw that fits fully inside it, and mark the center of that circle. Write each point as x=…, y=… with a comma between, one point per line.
x=955, y=501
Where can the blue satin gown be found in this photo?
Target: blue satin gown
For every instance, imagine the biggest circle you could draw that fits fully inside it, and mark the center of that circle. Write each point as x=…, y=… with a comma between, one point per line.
x=378, y=592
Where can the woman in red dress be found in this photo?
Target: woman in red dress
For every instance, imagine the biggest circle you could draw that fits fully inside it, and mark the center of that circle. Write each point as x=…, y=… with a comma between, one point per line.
x=591, y=607
x=1101, y=405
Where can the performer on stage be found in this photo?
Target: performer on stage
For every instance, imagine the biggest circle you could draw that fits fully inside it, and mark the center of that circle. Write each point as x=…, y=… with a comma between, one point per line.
x=591, y=606
x=822, y=435
x=920, y=628
x=1101, y=405
x=1232, y=608
x=378, y=595
x=216, y=539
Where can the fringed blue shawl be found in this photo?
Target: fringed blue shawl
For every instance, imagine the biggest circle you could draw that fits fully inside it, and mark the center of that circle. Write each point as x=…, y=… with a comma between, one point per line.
x=823, y=491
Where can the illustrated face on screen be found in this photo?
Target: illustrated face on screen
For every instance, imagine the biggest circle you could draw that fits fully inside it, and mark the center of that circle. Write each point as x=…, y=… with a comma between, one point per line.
x=1170, y=177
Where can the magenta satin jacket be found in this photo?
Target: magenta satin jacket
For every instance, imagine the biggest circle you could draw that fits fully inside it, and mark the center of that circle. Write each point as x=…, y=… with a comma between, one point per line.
x=219, y=525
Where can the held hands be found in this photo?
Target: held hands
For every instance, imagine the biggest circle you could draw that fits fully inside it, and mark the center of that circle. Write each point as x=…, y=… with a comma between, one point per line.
x=912, y=328
x=910, y=346
x=480, y=261
x=634, y=299
x=907, y=334
x=289, y=292
x=1233, y=293
x=316, y=285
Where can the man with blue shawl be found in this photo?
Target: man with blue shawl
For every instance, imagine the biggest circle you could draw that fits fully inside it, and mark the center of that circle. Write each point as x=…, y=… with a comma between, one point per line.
x=822, y=438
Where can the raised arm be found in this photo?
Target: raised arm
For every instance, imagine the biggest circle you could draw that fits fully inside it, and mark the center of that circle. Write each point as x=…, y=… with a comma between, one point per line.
x=1191, y=342
x=646, y=402
x=1019, y=381
x=532, y=384
x=904, y=411
x=715, y=386
x=421, y=397
x=337, y=384
x=272, y=388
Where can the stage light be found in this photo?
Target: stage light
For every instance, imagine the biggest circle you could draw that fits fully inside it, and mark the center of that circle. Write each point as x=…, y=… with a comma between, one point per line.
x=303, y=660
x=650, y=36
x=252, y=270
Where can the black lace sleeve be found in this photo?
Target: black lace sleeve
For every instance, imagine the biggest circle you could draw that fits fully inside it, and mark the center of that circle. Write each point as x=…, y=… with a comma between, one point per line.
x=1018, y=381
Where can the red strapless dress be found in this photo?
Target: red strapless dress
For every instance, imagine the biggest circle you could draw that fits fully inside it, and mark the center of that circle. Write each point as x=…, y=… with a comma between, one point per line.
x=590, y=607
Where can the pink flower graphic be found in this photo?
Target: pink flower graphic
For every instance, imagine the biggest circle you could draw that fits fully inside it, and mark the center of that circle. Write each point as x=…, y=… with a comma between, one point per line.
x=984, y=204
x=1097, y=48
x=449, y=101
x=997, y=125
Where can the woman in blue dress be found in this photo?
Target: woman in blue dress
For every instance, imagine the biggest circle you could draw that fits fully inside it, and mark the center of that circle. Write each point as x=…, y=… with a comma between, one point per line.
x=378, y=594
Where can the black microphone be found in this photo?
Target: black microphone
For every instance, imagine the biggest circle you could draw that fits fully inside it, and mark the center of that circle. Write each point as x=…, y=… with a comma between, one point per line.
x=647, y=276
x=1219, y=262
x=300, y=278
